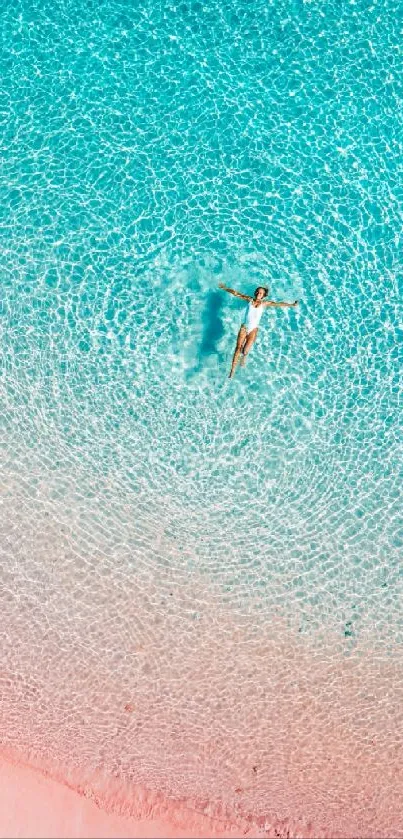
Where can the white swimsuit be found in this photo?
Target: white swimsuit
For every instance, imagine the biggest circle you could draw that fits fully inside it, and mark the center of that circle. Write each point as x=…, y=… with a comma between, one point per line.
x=252, y=316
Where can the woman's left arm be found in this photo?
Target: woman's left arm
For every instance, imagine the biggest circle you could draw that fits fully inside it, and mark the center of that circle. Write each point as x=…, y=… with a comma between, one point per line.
x=281, y=303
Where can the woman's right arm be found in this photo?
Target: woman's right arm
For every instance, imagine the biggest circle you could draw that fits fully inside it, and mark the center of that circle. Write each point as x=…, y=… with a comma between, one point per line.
x=235, y=293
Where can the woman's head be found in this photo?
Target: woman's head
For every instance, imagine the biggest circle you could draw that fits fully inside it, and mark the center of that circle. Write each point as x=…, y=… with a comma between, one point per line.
x=261, y=292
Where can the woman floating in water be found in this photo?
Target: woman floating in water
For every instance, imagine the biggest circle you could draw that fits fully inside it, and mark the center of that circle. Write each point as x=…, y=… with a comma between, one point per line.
x=249, y=327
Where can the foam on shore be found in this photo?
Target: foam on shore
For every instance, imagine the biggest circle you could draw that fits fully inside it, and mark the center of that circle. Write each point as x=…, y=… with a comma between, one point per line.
x=33, y=804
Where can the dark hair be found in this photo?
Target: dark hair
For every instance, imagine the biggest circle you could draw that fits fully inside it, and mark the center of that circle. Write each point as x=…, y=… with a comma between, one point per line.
x=266, y=290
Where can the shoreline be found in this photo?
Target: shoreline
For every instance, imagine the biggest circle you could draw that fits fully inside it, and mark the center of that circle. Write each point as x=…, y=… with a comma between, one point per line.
x=35, y=804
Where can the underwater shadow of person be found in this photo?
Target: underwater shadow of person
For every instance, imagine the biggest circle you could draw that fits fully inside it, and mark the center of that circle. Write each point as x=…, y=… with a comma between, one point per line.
x=213, y=328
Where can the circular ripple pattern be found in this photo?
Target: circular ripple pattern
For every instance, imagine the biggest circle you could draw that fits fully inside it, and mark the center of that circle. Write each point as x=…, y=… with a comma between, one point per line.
x=200, y=579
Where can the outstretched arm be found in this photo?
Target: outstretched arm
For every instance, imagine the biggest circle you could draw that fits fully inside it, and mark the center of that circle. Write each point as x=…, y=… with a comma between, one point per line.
x=235, y=293
x=272, y=303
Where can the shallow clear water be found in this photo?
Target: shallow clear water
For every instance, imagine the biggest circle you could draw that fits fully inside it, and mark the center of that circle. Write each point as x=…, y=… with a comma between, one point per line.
x=148, y=153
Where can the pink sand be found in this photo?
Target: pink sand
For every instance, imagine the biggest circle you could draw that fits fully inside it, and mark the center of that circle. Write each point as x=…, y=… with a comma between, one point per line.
x=33, y=805
x=234, y=723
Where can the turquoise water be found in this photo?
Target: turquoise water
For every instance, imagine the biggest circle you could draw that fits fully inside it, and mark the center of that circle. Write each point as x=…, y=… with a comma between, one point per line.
x=149, y=152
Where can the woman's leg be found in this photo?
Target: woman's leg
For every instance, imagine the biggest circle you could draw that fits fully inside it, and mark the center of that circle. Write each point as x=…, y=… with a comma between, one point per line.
x=241, y=340
x=250, y=340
